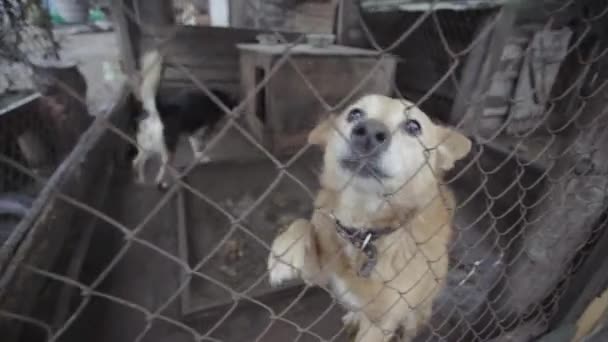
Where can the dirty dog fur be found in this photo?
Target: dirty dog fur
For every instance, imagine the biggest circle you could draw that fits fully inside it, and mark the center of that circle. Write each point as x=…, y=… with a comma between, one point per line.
x=188, y=112
x=150, y=129
x=383, y=163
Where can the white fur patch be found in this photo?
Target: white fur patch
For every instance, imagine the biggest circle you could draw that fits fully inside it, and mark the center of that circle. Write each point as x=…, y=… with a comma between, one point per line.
x=150, y=131
x=280, y=272
x=344, y=293
x=351, y=319
x=150, y=135
x=151, y=142
x=286, y=259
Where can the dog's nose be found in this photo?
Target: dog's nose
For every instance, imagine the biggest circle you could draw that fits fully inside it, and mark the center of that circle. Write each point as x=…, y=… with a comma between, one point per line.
x=370, y=136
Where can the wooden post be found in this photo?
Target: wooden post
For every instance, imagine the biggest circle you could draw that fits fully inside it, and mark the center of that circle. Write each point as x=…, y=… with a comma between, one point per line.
x=237, y=13
x=154, y=17
x=127, y=34
x=479, y=69
x=64, y=93
x=219, y=13
x=348, y=26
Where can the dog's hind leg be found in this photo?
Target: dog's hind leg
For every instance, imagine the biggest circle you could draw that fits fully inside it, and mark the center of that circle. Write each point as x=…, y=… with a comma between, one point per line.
x=139, y=165
x=197, y=148
x=161, y=175
x=165, y=159
x=196, y=142
x=294, y=255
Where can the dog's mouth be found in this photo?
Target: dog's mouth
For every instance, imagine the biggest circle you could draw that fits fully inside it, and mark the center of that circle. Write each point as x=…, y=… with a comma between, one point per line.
x=364, y=167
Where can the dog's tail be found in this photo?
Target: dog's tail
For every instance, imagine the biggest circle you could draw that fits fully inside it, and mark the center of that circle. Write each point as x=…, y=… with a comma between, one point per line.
x=151, y=72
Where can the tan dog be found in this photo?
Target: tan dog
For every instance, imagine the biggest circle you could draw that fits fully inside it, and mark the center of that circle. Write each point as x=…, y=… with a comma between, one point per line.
x=378, y=238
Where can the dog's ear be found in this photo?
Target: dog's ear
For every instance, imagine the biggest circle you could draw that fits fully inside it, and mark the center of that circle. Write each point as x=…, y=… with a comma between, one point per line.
x=453, y=146
x=319, y=134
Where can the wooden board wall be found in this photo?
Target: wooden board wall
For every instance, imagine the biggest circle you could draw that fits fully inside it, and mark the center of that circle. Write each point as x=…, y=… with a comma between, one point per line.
x=209, y=54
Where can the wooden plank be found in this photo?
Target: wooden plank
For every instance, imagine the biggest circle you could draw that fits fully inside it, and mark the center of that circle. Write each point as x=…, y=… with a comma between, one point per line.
x=541, y=63
x=480, y=67
x=39, y=239
x=197, y=38
x=194, y=61
x=88, y=222
x=208, y=53
x=153, y=14
x=348, y=25
x=264, y=296
x=21, y=101
x=182, y=249
x=278, y=50
x=425, y=5
x=237, y=13
x=201, y=74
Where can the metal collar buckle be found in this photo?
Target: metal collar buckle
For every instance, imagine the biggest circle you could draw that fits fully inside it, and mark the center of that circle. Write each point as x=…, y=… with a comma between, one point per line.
x=363, y=239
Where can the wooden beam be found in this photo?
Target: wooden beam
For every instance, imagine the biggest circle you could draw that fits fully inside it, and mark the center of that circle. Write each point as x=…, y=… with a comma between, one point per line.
x=127, y=35
x=347, y=24
x=38, y=239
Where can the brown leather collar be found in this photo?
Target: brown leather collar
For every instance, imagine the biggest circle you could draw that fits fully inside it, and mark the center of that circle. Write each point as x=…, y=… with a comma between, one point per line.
x=364, y=239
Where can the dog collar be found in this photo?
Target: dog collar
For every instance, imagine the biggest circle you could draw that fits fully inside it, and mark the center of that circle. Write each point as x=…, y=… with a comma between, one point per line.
x=363, y=239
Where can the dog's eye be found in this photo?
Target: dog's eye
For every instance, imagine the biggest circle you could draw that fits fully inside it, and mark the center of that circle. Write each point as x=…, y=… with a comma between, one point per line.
x=355, y=114
x=412, y=127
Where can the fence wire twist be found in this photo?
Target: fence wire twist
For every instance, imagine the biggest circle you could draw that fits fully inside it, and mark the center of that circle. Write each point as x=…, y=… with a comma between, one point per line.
x=534, y=185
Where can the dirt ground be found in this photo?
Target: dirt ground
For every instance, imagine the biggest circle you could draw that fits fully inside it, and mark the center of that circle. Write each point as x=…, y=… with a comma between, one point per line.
x=148, y=279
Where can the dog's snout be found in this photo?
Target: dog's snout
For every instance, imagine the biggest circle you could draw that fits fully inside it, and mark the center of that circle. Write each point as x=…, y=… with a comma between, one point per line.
x=370, y=136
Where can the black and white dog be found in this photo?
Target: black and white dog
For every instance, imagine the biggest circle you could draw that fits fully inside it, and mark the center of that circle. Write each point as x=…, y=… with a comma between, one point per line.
x=162, y=121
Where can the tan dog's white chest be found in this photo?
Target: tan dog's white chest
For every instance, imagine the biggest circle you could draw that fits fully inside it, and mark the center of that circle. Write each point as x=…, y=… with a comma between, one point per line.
x=343, y=292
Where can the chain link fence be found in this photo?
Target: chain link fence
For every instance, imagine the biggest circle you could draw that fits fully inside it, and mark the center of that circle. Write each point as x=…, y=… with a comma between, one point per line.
x=25, y=37
x=524, y=82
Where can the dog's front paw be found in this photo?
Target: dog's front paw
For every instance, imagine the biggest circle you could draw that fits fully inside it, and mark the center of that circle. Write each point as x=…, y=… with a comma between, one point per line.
x=351, y=319
x=291, y=253
x=351, y=325
x=281, y=270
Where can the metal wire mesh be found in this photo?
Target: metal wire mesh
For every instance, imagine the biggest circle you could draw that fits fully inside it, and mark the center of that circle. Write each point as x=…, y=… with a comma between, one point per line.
x=526, y=84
